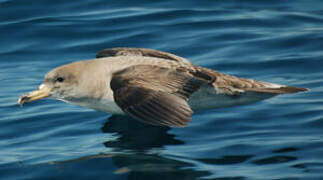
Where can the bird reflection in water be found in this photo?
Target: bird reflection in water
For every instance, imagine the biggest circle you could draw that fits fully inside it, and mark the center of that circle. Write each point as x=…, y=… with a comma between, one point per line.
x=137, y=136
x=141, y=162
x=135, y=153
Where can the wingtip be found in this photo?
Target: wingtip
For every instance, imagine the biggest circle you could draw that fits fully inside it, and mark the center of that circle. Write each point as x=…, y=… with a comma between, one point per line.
x=281, y=90
x=291, y=89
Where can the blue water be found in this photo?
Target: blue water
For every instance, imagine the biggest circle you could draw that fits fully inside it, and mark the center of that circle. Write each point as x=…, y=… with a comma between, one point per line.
x=276, y=41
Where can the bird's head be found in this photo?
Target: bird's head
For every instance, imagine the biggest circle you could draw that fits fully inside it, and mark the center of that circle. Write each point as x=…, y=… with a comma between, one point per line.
x=61, y=83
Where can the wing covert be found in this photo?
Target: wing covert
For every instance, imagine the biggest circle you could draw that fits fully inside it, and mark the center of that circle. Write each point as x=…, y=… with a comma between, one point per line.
x=155, y=95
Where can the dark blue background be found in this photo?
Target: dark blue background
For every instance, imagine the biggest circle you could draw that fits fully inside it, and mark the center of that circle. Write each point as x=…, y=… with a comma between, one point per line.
x=275, y=41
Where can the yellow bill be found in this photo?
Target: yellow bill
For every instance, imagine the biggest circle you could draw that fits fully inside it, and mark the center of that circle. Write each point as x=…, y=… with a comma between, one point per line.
x=41, y=93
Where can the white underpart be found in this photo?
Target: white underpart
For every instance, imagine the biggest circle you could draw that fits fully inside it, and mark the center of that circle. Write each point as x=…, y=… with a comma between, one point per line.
x=204, y=99
x=106, y=104
x=272, y=85
x=208, y=98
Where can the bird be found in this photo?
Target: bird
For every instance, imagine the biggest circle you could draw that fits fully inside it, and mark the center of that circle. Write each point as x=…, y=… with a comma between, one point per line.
x=151, y=86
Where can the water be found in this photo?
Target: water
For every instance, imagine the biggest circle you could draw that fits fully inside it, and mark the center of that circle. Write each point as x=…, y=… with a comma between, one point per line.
x=275, y=41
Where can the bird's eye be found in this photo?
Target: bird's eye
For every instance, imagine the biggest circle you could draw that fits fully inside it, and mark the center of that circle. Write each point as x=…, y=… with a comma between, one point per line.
x=59, y=79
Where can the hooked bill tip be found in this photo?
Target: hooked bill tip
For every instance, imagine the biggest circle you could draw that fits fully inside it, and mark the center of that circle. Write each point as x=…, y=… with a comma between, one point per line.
x=22, y=99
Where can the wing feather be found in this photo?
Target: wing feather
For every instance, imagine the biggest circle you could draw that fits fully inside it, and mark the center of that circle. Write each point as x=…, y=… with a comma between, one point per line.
x=140, y=52
x=155, y=95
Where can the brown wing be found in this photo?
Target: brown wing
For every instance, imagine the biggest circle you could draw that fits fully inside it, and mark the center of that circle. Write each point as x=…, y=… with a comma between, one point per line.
x=155, y=95
x=139, y=52
x=232, y=85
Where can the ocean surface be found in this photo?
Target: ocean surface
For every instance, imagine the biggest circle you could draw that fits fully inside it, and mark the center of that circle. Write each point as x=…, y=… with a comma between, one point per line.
x=276, y=139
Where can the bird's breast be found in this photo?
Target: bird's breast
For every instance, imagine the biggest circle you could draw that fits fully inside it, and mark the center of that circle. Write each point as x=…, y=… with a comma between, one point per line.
x=106, y=106
x=103, y=104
